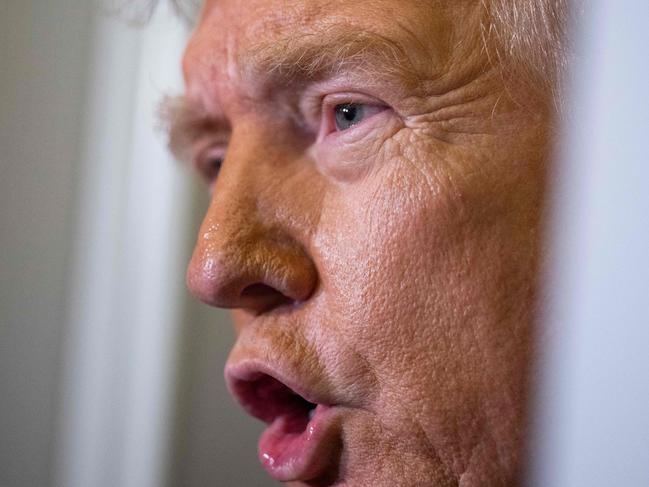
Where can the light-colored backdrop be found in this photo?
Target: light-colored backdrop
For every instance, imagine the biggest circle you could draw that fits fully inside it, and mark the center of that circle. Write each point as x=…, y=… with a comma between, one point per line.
x=110, y=373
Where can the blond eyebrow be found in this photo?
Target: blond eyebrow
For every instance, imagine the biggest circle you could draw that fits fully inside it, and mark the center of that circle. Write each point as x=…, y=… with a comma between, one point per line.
x=296, y=58
x=184, y=121
x=315, y=54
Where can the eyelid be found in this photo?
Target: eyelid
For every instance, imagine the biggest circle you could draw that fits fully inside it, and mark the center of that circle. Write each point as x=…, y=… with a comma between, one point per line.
x=334, y=99
x=205, y=152
x=330, y=102
x=206, y=143
x=210, y=154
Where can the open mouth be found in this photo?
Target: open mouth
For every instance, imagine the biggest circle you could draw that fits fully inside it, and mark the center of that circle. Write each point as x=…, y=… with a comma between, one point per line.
x=267, y=398
x=298, y=443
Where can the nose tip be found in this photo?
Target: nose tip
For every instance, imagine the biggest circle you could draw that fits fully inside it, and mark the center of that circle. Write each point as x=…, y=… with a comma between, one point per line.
x=251, y=271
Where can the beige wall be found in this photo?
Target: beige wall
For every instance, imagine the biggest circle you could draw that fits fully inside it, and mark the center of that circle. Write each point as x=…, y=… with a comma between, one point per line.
x=69, y=116
x=41, y=92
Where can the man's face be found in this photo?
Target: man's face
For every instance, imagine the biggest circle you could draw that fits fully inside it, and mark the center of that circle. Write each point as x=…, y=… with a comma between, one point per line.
x=374, y=226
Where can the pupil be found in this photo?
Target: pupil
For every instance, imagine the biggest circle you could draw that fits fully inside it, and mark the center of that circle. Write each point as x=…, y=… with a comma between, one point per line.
x=349, y=112
x=348, y=115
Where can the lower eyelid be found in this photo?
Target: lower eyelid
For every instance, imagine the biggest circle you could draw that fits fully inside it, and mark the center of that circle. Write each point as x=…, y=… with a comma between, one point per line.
x=347, y=155
x=328, y=125
x=355, y=132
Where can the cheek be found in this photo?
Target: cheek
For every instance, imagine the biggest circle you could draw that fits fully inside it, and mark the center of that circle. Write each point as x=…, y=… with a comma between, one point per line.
x=394, y=285
x=393, y=236
x=421, y=269
x=349, y=156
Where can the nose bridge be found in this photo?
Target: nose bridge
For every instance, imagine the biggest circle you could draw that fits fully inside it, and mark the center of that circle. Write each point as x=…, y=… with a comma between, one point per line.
x=249, y=254
x=262, y=182
x=243, y=207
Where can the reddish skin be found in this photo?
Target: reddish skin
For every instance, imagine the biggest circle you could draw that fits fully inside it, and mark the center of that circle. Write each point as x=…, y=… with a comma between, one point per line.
x=393, y=274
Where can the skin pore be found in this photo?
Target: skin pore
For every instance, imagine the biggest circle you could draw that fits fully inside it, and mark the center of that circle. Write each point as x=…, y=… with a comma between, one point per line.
x=374, y=225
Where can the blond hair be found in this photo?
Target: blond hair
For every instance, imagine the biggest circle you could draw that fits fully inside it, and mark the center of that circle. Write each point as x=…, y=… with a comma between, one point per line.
x=531, y=40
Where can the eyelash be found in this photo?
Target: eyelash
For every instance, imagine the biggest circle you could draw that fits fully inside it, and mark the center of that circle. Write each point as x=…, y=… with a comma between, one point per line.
x=208, y=164
x=329, y=104
x=209, y=161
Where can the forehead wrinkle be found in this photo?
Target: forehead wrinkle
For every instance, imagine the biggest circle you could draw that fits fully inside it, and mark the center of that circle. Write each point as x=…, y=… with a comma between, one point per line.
x=327, y=51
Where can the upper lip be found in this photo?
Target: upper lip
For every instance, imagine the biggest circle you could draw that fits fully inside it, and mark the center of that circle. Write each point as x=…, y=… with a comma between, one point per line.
x=266, y=391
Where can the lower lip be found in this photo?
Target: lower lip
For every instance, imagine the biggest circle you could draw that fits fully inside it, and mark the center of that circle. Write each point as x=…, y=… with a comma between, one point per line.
x=289, y=451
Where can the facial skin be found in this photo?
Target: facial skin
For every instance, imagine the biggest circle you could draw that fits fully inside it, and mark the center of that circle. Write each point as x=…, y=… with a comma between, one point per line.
x=387, y=268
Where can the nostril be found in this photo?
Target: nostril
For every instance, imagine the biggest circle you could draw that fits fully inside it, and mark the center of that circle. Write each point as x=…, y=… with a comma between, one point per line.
x=252, y=269
x=258, y=290
x=263, y=297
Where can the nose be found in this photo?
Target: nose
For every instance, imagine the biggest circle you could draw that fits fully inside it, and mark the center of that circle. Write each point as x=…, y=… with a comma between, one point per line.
x=249, y=254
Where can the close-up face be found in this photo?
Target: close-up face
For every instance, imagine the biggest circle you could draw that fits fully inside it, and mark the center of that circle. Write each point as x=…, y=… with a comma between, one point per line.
x=376, y=180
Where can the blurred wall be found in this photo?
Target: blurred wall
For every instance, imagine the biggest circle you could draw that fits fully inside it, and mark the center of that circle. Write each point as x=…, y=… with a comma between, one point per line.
x=593, y=403
x=42, y=86
x=110, y=373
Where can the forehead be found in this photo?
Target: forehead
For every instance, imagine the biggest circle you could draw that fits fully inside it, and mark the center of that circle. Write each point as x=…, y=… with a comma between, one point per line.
x=279, y=17
x=230, y=35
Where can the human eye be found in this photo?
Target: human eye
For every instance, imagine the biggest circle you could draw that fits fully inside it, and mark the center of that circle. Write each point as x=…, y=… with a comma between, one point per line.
x=347, y=115
x=208, y=164
x=341, y=113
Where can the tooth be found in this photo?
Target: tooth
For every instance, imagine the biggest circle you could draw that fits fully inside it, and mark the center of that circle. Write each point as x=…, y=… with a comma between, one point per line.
x=311, y=414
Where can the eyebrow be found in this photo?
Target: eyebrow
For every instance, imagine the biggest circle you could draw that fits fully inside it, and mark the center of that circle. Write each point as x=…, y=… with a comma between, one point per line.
x=184, y=121
x=327, y=51
x=297, y=58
